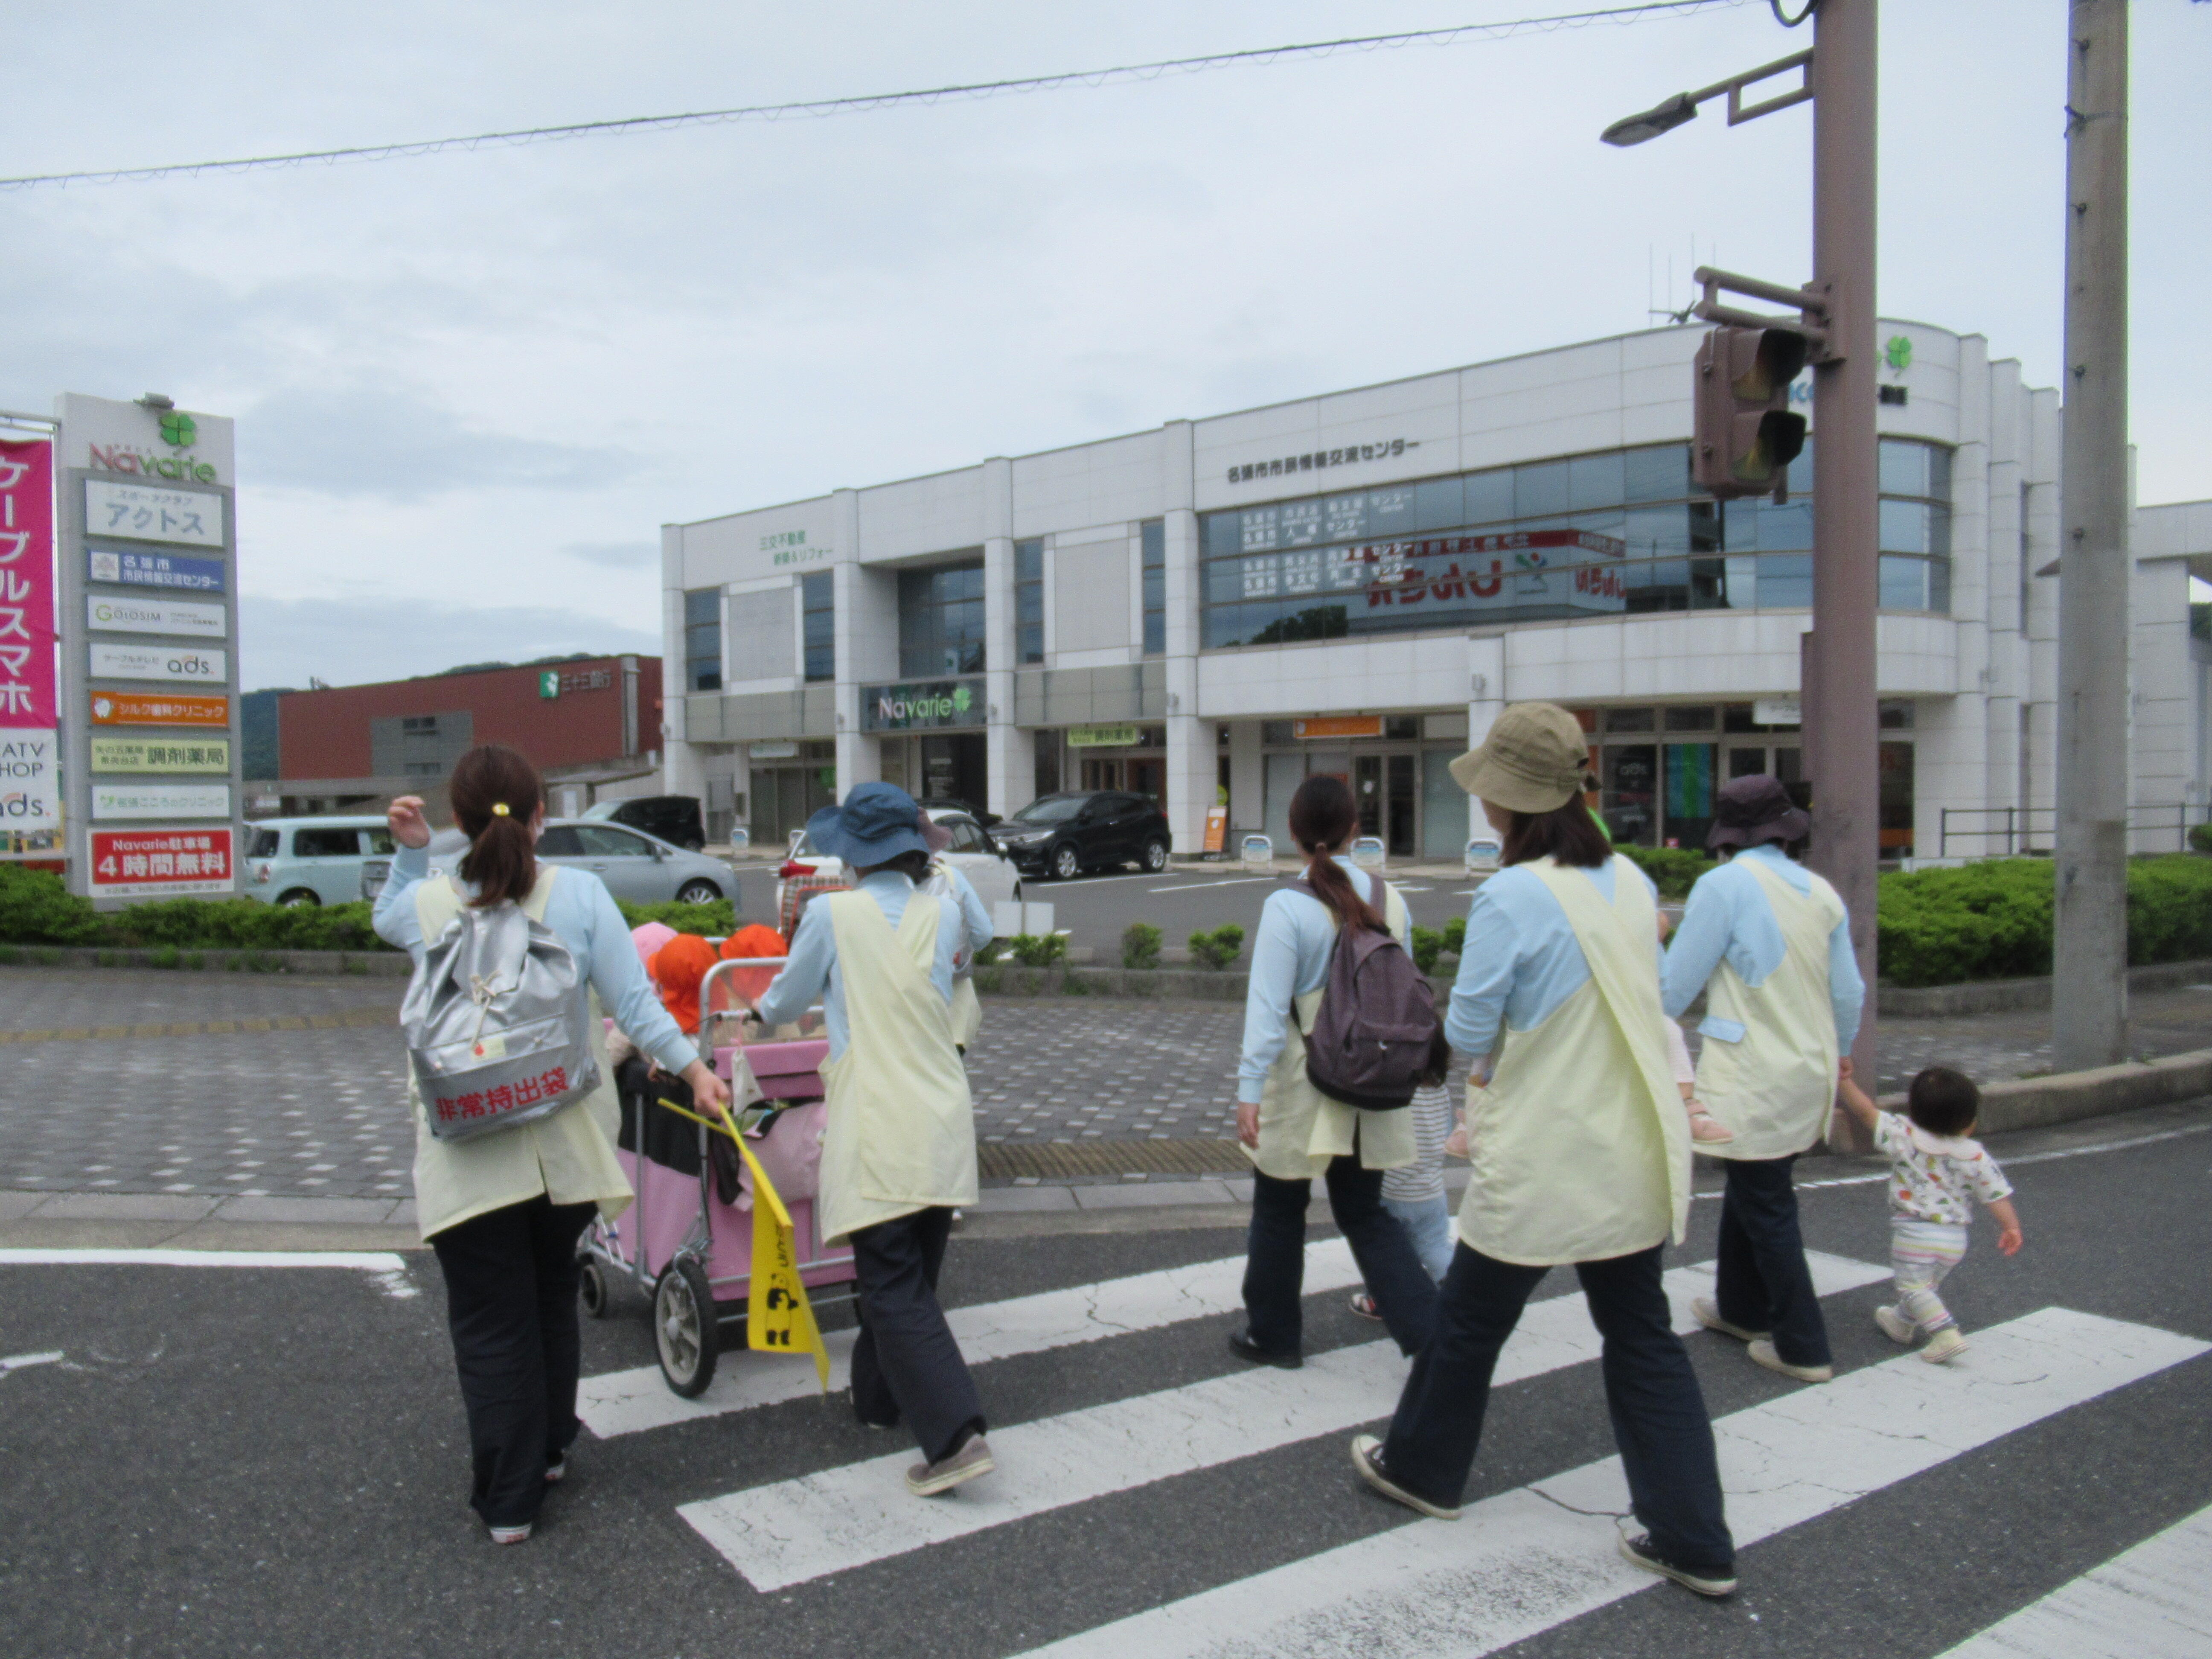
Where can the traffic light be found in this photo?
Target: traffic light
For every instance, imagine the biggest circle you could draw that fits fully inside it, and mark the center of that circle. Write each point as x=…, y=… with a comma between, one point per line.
x=1746, y=436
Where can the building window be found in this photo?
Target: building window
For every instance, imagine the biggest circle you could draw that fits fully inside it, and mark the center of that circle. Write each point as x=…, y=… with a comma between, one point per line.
x=941, y=621
x=1155, y=534
x=1915, y=526
x=702, y=639
x=1029, y=601
x=819, y=605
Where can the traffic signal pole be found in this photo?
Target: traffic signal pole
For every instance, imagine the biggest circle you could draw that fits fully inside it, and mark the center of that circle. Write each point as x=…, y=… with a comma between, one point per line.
x=2089, y=999
x=1841, y=690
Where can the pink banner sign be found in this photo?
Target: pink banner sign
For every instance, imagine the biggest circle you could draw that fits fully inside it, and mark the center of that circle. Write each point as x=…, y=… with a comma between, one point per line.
x=27, y=584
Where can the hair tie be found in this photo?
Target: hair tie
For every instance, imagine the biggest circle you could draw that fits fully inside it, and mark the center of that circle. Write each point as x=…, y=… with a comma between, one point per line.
x=499, y=809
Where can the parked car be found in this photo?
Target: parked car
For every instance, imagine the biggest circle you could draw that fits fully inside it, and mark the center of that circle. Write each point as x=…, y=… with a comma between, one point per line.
x=636, y=867
x=953, y=804
x=1063, y=835
x=972, y=853
x=675, y=819
x=311, y=860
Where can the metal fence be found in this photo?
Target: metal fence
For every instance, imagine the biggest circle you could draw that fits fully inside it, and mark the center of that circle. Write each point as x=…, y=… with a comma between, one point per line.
x=2004, y=832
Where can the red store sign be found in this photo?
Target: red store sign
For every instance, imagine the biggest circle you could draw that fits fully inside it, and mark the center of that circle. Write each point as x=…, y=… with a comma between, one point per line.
x=160, y=863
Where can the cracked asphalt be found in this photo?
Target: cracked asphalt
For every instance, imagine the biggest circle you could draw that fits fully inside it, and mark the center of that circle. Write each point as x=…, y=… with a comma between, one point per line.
x=230, y=1461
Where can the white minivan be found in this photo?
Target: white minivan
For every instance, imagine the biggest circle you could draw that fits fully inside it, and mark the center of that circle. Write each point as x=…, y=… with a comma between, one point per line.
x=311, y=860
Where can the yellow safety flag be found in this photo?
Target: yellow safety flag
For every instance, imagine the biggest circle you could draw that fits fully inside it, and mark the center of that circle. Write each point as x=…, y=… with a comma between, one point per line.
x=779, y=1318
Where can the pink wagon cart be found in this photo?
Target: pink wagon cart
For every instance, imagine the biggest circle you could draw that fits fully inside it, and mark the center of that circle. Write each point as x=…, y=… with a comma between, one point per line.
x=687, y=1242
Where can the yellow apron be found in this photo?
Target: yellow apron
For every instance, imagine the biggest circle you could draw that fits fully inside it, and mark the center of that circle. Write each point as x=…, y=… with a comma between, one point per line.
x=901, y=1128
x=568, y=1157
x=1580, y=1145
x=1301, y=1128
x=1776, y=1085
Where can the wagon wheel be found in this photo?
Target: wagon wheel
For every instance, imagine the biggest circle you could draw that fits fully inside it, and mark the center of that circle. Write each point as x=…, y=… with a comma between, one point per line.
x=683, y=1328
x=592, y=1285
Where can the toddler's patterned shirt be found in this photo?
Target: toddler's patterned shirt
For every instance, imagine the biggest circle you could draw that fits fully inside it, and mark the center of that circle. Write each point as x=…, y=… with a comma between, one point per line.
x=1935, y=1178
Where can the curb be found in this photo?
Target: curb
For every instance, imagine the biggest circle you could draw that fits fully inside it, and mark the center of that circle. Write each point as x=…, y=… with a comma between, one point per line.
x=1998, y=996
x=2038, y=1103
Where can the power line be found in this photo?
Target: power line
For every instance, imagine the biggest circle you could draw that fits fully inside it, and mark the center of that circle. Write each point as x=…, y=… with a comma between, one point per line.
x=820, y=108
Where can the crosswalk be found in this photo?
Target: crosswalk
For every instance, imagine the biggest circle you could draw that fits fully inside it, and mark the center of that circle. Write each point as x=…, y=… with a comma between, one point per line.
x=1518, y=1564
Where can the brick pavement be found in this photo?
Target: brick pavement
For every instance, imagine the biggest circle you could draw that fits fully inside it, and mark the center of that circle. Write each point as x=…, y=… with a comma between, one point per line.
x=283, y=1087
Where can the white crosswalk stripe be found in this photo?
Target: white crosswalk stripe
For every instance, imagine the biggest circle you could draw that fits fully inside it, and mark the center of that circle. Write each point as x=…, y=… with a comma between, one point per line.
x=795, y=1530
x=629, y=1401
x=2153, y=1602
x=1521, y=1562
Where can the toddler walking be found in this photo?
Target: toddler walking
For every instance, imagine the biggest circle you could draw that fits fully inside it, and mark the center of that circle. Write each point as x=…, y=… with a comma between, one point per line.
x=1934, y=1173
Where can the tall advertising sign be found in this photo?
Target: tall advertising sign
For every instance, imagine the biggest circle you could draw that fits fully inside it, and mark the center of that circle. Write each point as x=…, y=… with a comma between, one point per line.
x=148, y=588
x=30, y=753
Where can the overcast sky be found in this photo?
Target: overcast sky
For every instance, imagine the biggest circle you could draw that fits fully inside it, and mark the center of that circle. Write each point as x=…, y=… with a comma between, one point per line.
x=471, y=387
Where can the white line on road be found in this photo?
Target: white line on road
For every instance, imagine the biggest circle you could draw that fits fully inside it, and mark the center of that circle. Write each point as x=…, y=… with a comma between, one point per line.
x=2055, y=1155
x=625, y=1402
x=1526, y=1561
x=390, y=1270
x=23, y=1361
x=1234, y=881
x=794, y=1530
x=2153, y=1601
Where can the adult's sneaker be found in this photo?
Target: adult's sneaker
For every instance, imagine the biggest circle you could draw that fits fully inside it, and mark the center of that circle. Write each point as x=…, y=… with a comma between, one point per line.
x=927, y=1480
x=1946, y=1345
x=1896, y=1327
x=1638, y=1553
x=1708, y=1315
x=510, y=1534
x=1765, y=1353
x=556, y=1470
x=1367, y=1458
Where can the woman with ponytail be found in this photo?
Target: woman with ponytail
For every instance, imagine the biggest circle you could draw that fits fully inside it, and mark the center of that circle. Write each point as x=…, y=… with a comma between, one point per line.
x=1293, y=1133
x=503, y=1210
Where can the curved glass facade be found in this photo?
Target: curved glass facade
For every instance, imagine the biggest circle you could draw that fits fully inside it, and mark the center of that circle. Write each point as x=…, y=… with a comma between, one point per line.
x=1616, y=532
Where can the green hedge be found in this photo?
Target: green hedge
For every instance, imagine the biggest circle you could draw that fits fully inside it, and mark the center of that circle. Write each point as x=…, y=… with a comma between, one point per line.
x=1673, y=870
x=1993, y=919
x=36, y=908
x=715, y=920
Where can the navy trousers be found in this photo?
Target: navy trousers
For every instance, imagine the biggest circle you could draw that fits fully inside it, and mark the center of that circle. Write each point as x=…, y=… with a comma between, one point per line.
x=1762, y=1283
x=905, y=1362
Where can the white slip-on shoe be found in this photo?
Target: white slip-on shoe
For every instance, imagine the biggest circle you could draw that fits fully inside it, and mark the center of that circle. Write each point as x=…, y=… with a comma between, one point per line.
x=510, y=1534
x=1946, y=1345
x=1708, y=1315
x=1764, y=1353
x=928, y=1479
x=1367, y=1458
x=1895, y=1326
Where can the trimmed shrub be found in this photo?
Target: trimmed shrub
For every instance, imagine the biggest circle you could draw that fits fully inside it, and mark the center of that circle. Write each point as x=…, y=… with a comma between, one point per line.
x=1140, y=946
x=243, y=924
x=1673, y=870
x=716, y=921
x=1993, y=919
x=1428, y=945
x=37, y=909
x=2200, y=837
x=1035, y=950
x=1220, y=948
x=1456, y=935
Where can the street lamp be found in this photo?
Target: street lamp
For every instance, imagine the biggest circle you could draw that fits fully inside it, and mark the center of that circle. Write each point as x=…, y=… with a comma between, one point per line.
x=1839, y=678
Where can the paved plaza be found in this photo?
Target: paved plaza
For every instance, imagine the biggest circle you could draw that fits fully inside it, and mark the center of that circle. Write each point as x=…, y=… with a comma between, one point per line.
x=273, y=1085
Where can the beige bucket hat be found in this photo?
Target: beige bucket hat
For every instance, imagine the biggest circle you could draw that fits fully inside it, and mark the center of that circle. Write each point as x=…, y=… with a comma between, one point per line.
x=1534, y=760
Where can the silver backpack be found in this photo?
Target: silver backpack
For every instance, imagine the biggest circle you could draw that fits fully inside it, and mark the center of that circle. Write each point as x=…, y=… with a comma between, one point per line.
x=497, y=1020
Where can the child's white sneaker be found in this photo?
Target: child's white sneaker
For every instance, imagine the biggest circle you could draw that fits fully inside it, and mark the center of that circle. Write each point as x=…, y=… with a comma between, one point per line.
x=1946, y=1345
x=1895, y=1326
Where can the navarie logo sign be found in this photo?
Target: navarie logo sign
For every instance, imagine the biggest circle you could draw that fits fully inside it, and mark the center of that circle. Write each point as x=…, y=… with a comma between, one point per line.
x=911, y=708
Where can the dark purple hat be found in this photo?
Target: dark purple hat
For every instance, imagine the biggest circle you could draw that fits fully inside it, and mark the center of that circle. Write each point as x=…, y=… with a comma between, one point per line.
x=1749, y=811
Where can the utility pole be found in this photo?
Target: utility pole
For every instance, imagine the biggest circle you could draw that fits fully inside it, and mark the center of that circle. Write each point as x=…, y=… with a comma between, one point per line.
x=2089, y=989
x=1840, y=690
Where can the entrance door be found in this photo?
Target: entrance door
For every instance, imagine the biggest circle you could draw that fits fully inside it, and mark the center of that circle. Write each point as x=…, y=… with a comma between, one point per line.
x=1398, y=805
x=1367, y=791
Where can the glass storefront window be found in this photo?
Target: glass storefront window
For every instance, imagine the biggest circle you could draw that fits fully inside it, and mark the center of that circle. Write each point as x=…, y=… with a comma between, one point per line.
x=941, y=620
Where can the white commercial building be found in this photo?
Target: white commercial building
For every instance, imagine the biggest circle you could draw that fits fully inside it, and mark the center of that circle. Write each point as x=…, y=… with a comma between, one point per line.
x=1357, y=583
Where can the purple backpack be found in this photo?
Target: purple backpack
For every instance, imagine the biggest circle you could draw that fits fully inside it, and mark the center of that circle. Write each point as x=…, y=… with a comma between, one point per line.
x=1376, y=1030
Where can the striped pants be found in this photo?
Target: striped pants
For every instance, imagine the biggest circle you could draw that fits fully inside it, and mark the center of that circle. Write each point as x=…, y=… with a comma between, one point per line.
x=1920, y=1254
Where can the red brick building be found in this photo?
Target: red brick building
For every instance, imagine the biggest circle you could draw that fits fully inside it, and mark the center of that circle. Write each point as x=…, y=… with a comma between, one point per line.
x=592, y=725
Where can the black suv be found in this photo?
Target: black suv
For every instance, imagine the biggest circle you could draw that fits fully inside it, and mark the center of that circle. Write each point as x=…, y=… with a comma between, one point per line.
x=674, y=819
x=1064, y=834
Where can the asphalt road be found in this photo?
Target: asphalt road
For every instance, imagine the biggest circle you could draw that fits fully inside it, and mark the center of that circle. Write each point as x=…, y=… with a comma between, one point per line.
x=228, y=1461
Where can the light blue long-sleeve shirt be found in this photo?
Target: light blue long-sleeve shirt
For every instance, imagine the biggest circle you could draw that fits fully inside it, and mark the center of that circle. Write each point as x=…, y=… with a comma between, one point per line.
x=1520, y=960
x=581, y=915
x=813, y=971
x=1290, y=957
x=1730, y=918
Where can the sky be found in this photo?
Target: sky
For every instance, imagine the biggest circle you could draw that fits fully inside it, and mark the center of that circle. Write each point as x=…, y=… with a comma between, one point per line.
x=471, y=387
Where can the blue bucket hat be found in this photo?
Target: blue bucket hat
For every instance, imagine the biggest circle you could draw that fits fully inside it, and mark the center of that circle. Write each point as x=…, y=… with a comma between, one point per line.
x=874, y=823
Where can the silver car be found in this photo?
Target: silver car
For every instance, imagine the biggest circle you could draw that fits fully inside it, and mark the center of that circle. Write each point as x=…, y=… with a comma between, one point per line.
x=636, y=867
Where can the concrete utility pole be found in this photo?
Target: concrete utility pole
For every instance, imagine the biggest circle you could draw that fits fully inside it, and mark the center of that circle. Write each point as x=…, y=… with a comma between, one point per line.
x=2089, y=999
x=1841, y=705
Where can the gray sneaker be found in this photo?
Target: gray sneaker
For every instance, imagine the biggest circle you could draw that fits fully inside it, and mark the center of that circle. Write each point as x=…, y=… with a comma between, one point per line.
x=1708, y=1313
x=927, y=1480
x=1638, y=1553
x=1367, y=1458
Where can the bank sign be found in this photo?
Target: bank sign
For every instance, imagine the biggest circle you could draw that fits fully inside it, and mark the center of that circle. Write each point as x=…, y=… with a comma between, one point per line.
x=922, y=706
